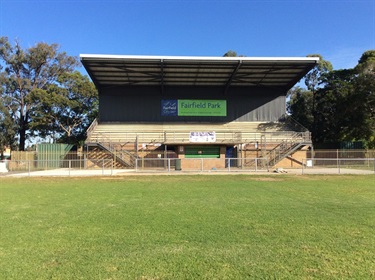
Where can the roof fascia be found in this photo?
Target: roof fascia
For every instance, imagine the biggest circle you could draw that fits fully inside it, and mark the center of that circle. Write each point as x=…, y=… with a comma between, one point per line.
x=194, y=58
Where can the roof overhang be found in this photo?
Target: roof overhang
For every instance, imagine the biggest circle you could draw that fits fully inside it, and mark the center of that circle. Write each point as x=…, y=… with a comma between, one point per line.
x=163, y=71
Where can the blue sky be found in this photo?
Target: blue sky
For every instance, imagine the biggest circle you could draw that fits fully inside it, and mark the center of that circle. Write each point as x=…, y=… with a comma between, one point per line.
x=337, y=29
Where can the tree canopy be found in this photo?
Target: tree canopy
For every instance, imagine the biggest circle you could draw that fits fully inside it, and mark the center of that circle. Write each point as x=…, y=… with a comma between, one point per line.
x=42, y=92
x=338, y=105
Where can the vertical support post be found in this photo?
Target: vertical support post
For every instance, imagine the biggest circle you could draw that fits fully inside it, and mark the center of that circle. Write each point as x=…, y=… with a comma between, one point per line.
x=338, y=161
x=303, y=165
x=136, y=145
x=169, y=165
x=85, y=161
x=256, y=164
x=165, y=155
x=228, y=164
x=69, y=166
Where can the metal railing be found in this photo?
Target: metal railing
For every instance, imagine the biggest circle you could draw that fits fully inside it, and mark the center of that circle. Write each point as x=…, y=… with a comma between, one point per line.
x=103, y=167
x=183, y=137
x=338, y=165
x=202, y=164
x=91, y=128
x=65, y=167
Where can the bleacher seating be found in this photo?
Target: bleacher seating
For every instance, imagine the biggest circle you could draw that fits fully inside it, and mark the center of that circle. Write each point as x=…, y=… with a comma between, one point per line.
x=233, y=132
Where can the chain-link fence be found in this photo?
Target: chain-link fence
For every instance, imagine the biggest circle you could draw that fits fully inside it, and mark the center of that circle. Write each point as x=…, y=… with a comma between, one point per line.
x=202, y=164
x=64, y=167
x=338, y=165
x=321, y=161
x=341, y=154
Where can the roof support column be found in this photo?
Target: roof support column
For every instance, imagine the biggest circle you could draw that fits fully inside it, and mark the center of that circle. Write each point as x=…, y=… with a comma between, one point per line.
x=162, y=76
x=232, y=77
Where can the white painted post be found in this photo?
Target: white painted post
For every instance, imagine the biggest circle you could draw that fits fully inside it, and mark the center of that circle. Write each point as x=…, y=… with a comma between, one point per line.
x=303, y=166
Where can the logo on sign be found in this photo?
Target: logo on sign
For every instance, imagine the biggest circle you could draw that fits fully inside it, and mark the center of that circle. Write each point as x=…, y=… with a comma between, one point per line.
x=169, y=107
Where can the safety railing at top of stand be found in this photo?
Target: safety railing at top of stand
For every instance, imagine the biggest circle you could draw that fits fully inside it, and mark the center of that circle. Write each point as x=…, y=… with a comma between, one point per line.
x=91, y=128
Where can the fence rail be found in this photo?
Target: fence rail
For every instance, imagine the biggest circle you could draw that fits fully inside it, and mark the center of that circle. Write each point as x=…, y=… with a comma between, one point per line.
x=65, y=167
x=202, y=164
x=339, y=165
x=183, y=137
x=89, y=166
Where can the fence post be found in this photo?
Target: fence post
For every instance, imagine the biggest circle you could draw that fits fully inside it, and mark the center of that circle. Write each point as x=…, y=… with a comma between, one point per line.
x=136, y=164
x=228, y=164
x=303, y=166
x=169, y=165
x=338, y=161
x=256, y=164
x=69, y=166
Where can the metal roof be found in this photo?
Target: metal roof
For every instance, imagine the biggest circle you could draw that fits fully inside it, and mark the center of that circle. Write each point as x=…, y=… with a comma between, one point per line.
x=121, y=70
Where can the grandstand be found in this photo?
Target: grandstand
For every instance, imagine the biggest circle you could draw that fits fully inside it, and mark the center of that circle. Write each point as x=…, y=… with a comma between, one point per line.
x=208, y=107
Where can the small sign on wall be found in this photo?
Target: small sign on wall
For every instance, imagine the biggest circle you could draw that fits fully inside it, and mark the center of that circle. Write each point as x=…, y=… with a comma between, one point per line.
x=202, y=137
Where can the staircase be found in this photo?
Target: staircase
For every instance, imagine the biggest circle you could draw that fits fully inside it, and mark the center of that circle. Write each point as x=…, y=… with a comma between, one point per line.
x=288, y=147
x=123, y=157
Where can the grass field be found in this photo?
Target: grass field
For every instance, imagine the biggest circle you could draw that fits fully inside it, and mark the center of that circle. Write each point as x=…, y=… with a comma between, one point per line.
x=188, y=227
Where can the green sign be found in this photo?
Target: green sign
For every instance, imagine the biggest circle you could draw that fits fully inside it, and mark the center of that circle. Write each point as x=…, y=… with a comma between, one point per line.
x=204, y=108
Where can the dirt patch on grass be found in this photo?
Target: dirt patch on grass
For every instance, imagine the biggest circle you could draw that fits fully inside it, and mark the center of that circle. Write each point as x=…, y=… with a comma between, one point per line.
x=268, y=179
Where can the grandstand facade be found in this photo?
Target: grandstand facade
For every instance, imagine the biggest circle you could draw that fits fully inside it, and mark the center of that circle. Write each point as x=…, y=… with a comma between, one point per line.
x=195, y=107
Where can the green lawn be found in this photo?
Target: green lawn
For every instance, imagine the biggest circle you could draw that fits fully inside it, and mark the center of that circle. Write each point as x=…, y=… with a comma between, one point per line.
x=188, y=227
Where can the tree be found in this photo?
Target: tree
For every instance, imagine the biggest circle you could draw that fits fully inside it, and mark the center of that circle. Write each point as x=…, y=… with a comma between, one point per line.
x=333, y=110
x=345, y=105
x=366, y=63
x=28, y=71
x=231, y=53
x=313, y=80
x=366, y=91
x=66, y=110
x=7, y=127
x=300, y=106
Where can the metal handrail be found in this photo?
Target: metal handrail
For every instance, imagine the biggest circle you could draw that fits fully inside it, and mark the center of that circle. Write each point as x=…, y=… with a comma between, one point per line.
x=91, y=128
x=183, y=136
